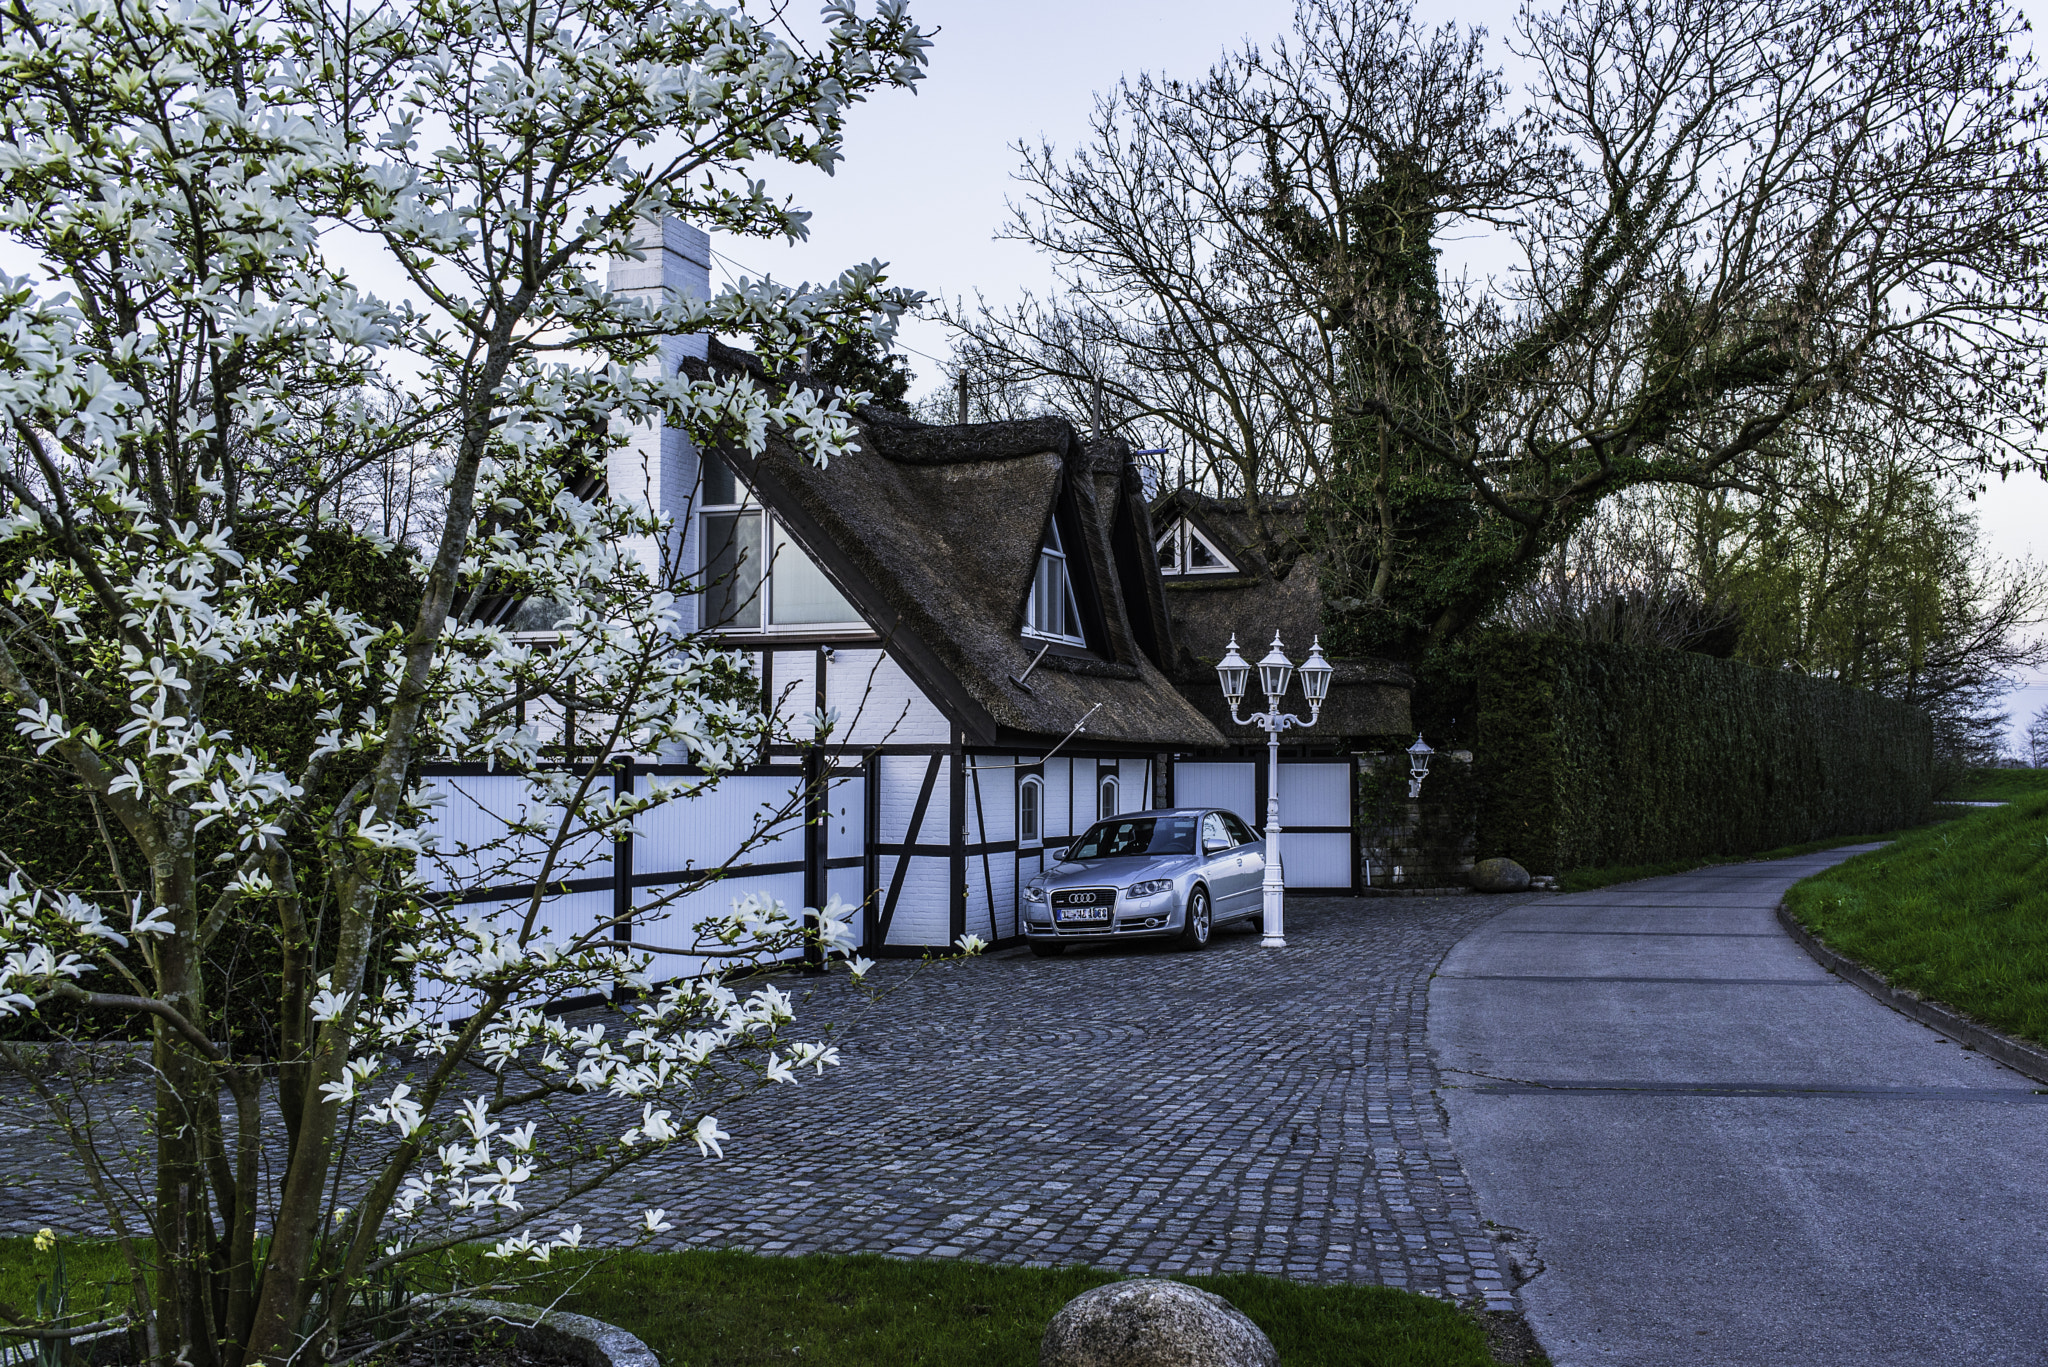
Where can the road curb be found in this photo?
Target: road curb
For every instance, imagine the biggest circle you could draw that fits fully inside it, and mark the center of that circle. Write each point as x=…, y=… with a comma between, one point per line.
x=2021, y=1057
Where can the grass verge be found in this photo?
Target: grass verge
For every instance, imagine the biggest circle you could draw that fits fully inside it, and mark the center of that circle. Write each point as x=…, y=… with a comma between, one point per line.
x=1585, y=880
x=2001, y=785
x=728, y=1309
x=1958, y=913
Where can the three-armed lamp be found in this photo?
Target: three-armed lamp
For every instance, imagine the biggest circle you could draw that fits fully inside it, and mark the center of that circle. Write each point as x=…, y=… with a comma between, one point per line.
x=1274, y=672
x=1418, y=766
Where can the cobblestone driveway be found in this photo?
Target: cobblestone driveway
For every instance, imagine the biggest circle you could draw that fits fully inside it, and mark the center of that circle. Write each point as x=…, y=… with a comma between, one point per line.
x=1138, y=1108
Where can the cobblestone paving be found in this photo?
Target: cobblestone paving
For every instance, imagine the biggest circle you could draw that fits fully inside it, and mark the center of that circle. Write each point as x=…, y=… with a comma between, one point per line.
x=1137, y=1108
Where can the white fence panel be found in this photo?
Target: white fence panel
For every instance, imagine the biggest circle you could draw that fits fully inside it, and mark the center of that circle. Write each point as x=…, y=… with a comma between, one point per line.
x=1229, y=784
x=1315, y=861
x=703, y=832
x=1313, y=794
x=474, y=850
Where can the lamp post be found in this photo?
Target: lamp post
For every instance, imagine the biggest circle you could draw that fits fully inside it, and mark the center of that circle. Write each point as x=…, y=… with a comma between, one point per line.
x=1274, y=671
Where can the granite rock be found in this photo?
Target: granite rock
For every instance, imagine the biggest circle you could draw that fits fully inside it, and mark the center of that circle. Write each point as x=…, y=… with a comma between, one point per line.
x=1149, y=1323
x=1499, y=875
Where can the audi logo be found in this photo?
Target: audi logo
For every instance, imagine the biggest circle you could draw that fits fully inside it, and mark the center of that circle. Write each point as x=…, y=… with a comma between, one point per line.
x=1081, y=898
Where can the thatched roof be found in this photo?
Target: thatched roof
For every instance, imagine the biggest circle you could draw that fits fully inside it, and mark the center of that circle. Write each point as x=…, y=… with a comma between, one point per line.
x=934, y=534
x=1277, y=589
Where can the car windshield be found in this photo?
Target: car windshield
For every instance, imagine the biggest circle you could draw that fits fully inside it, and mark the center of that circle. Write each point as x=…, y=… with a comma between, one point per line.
x=1136, y=835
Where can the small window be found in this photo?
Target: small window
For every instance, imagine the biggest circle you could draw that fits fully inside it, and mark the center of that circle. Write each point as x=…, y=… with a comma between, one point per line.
x=1184, y=550
x=1239, y=832
x=1105, y=806
x=1051, y=613
x=1169, y=550
x=1030, y=801
x=1214, y=836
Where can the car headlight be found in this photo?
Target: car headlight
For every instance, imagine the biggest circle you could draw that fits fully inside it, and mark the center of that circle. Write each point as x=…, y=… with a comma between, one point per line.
x=1033, y=893
x=1150, y=887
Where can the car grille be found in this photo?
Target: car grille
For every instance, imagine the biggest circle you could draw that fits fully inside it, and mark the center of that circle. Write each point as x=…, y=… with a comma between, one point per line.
x=1083, y=910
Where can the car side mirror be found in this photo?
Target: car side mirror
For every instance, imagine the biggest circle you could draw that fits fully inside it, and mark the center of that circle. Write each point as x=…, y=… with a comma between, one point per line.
x=1058, y=853
x=1213, y=846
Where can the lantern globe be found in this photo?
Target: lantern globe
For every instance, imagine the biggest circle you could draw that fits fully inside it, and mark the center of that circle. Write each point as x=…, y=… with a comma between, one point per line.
x=1231, y=672
x=1418, y=757
x=1315, y=674
x=1274, y=672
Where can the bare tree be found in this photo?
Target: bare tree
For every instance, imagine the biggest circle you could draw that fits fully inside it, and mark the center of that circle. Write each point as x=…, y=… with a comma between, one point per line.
x=1731, y=227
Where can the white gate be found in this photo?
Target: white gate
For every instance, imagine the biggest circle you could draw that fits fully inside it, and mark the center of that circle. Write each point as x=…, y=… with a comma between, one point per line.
x=1318, y=845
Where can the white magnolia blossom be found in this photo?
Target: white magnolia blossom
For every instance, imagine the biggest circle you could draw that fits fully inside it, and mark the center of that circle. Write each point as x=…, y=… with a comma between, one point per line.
x=184, y=403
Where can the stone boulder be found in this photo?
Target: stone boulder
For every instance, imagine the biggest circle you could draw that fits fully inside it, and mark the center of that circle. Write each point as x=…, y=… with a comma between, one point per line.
x=1499, y=875
x=1153, y=1324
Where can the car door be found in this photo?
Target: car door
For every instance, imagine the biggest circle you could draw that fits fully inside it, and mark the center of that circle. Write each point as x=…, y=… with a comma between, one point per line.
x=1228, y=884
x=1252, y=856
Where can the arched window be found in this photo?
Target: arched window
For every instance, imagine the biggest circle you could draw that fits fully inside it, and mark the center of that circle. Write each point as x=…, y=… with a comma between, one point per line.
x=1105, y=806
x=1030, y=802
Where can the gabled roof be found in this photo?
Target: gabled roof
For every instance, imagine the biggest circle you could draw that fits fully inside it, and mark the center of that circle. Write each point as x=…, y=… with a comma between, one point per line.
x=934, y=534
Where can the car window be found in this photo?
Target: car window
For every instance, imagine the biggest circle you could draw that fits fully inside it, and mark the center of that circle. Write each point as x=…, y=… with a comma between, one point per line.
x=1134, y=836
x=1214, y=832
x=1240, y=834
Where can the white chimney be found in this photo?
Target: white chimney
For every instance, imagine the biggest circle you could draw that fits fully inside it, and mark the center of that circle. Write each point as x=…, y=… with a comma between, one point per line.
x=660, y=468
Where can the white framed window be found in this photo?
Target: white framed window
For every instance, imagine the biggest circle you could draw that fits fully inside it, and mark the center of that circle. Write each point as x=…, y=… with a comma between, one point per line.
x=755, y=576
x=1052, y=614
x=1030, y=810
x=1184, y=550
x=1105, y=797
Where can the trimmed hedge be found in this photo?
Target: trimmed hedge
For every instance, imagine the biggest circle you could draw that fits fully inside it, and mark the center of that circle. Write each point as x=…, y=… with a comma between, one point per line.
x=1600, y=755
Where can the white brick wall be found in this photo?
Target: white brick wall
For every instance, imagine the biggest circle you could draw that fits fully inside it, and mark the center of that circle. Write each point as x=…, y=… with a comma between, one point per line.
x=878, y=704
x=923, y=910
x=901, y=778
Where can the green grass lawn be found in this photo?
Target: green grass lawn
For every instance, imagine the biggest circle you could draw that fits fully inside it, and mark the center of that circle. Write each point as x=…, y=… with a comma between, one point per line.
x=1957, y=912
x=1585, y=880
x=2001, y=785
x=723, y=1309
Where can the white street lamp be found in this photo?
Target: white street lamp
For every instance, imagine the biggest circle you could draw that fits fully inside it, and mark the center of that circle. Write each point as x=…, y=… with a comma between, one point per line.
x=1274, y=672
x=1418, y=766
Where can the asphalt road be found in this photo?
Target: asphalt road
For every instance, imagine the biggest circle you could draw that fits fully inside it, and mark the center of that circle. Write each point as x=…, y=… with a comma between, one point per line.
x=1717, y=1153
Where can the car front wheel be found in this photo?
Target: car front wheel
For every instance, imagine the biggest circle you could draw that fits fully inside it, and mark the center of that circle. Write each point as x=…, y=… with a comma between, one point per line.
x=1194, y=930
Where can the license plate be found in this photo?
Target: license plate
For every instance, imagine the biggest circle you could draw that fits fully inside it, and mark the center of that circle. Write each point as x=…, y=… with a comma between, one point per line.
x=1083, y=907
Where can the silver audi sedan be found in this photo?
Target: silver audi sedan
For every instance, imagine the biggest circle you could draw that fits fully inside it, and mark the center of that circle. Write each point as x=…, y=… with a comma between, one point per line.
x=1175, y=874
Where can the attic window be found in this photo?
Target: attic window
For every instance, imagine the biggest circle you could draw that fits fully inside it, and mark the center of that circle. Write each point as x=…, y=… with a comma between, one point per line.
x=1184, y=550
x=1051, y=614
x=749, y=566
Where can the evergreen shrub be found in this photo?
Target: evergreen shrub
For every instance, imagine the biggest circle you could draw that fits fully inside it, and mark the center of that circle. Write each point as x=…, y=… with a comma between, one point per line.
x=1595, y=755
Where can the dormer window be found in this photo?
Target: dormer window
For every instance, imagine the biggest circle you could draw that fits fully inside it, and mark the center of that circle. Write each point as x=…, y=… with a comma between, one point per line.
x=1184, y=550
x=1052, y=613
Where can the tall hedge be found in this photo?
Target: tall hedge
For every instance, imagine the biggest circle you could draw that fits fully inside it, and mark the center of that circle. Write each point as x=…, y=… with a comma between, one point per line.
x=1601, y=755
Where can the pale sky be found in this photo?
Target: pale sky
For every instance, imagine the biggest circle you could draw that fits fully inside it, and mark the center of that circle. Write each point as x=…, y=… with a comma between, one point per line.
x=927, y=177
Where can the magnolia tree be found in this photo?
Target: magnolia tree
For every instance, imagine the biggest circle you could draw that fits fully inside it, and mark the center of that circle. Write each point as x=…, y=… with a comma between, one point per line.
x=186, y=351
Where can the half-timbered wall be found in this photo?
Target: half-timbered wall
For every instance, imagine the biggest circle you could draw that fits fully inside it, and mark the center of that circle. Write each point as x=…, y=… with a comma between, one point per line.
x=649, y=888
x=913, y=850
